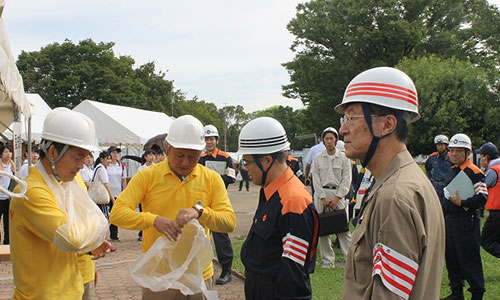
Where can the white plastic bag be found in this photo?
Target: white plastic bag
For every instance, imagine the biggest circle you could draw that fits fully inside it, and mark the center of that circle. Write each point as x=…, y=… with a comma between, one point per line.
x=86, y=227
x=176, y=265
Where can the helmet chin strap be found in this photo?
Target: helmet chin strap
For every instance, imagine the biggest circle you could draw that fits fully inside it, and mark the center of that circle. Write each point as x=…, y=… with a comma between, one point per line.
x=375, y=139
x=45, y=149
x=264, y=173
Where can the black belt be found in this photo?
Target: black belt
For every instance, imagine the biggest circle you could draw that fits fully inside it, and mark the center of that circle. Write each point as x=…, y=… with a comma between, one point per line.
x=330, y=188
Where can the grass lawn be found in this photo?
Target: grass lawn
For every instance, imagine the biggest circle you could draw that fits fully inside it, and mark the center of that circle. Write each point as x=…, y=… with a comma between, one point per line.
x=327, y=283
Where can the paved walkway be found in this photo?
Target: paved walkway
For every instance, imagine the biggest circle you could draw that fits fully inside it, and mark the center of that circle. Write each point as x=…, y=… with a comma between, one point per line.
x=114, y=280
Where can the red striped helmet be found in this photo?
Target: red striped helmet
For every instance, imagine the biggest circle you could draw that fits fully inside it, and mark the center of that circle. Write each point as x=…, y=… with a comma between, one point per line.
x=383, y=86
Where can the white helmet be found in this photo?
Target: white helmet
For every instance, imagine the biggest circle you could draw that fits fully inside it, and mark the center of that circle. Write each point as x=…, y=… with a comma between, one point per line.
x=386, y=87
x=186, y=132
x=341, y=146
x=263, y=135
x=70, y=128
x=210, y=130
x=460, y=140
x=441, y=139
x=330, y=129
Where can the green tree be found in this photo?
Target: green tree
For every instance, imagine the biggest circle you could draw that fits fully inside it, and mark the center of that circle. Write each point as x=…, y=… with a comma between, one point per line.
x=234, y=118
x=454, y=97
x=66, y=74
x=337, y=39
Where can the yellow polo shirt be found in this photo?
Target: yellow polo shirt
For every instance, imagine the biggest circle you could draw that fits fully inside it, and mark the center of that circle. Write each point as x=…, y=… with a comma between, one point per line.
x=41, y=270
x=162, y=193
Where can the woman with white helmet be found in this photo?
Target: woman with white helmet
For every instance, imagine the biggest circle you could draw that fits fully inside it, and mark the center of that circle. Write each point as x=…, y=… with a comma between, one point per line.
x=463, y=224
x=400, y=218
x=279, y=251
x=57, y=219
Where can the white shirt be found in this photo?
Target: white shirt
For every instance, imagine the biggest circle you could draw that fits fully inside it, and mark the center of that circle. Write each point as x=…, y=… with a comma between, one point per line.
x=24, y=171
x=87, y=173
x=143, y=166
x=116, y=173
x=102, y=174
x=5, y=180
x=312, y=153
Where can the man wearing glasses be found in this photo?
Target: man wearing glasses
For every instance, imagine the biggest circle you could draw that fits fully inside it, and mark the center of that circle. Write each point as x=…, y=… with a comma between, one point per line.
x=397, y=249
x=280, y=250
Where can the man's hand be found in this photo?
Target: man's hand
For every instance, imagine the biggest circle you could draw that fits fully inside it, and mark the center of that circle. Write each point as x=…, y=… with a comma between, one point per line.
x=101, y=251
x=326, y=202
x=185, y=215
x=335, y=202
x=307, y=181
x=167, y=227
x=456, y=200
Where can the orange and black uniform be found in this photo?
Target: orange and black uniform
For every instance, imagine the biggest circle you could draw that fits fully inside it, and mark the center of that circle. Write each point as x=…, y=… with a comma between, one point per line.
x=222, y=242
x=293, y=163
x=280, y=250
x=490, y=236
x=462, y=254
x=218, y=155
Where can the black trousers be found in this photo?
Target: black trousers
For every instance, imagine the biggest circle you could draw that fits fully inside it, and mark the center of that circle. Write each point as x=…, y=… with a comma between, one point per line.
x=113, y=230
x=224, y=249
x=4, y=214
x=462, y=254
x=258, y=287
x=490, y=238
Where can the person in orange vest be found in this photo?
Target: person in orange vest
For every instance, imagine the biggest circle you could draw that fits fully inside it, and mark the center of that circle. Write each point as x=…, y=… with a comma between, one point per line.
x=490, y=237
x=294, y=164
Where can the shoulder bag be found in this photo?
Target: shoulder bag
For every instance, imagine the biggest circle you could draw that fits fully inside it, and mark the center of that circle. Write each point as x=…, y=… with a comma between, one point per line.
x=97, y=191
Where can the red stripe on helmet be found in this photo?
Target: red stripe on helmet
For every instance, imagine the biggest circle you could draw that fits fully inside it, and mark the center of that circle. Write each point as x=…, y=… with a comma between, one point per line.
x=377, y=89
x=382, y=95
x=384, y=85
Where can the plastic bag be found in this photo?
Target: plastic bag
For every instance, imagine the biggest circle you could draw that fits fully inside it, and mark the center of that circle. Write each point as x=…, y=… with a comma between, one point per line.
x=176, y=265
x=86, y=227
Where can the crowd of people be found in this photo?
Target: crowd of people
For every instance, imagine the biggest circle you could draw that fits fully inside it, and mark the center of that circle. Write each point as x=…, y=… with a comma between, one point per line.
x=407, y=224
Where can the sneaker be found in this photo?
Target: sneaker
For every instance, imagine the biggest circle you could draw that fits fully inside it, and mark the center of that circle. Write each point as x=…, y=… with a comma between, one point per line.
x=115, y=240
x=140, y=239
x=328, y=266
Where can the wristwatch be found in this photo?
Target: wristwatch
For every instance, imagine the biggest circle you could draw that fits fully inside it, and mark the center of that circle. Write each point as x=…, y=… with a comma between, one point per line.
x=199, y=208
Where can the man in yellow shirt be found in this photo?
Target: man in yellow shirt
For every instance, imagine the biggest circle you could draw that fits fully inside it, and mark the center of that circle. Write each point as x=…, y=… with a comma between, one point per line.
x=172, y=193
x=43, y=260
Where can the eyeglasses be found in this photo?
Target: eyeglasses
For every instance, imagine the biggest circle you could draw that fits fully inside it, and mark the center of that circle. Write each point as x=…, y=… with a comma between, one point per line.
x=346, y=120
x=246, y=163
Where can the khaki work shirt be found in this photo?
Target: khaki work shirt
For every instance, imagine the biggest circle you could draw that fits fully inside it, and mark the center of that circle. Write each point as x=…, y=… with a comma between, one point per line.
x=403, y=213
x=333, y=171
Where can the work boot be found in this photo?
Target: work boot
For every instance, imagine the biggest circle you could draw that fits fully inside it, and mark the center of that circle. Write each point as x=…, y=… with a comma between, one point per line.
x=477, y=296
x=456, y=294
x=225, y=276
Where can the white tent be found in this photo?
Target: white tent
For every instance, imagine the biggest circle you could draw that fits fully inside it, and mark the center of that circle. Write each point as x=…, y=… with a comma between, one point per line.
x=39, y=109
x=13, y=101
x=124, y=126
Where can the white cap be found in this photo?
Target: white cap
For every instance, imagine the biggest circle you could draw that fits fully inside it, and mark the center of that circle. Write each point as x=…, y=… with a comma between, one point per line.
x=263, y=135
x=71, y=128
x=186, y=132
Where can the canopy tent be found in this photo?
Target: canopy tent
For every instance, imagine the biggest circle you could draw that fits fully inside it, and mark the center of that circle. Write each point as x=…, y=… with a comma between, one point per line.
x=11, y=83
x=39, y=109
x=13, y=101
x=124, y=126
